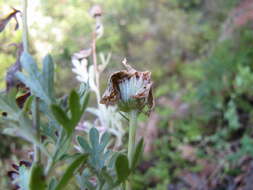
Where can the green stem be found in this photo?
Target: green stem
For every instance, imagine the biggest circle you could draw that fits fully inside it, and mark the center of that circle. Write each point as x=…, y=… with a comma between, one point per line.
x=36, y=121
x=35, y=111
x=131, y=140
x=25, y=26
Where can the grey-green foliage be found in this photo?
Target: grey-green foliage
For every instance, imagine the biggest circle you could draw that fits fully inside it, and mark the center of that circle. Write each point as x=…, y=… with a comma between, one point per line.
x=17, y=122
x=110, y=169
x=40, y=83
x=231, y=116
x=23, y=178
x=96, y=148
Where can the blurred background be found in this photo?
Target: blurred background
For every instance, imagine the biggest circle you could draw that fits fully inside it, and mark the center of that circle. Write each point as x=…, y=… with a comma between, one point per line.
x=200, y=53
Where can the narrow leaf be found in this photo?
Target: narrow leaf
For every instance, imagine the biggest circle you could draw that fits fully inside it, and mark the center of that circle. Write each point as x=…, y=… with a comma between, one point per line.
x=37, y=180
x=122, y=167
x=48, y=75
x=70, y=171
x=85, y=101
x=27, y=104
x=29, y=64
x=137, y=154
x=52, y=184
x=75, y=107
x=84, y=144
x=104, y=141
x=94, y=137
x=61, y=117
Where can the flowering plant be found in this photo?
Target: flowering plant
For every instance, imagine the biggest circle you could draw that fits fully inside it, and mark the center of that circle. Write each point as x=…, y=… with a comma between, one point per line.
x=50, y=124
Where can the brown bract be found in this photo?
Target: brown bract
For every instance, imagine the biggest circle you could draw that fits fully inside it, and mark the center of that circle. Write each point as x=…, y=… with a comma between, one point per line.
x=141, y=94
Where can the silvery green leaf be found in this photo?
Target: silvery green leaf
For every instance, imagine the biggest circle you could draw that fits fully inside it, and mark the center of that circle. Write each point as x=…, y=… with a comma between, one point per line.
x=40, y=83
x=23, y=178
x=48, y=75
x=83, y=180
x=104, y=141
x=29, y=64
x=94, y=137
x=84, y=144
x=8, y=104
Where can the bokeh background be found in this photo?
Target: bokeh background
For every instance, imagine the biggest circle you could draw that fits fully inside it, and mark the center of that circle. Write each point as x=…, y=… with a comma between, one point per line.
x=200, y=53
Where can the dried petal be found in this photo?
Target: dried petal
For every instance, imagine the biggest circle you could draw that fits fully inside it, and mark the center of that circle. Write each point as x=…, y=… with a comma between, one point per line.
x=11, y=80
x=5, y=21
x=25, y=163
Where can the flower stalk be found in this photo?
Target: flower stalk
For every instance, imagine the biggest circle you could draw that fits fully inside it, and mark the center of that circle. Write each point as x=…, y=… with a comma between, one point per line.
x=132, y=134
x=25, y=26
x=35, y=111
x=131, y=140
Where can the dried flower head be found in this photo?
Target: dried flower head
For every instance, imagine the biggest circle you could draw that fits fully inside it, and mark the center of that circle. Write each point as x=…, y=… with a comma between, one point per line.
x=130, y=89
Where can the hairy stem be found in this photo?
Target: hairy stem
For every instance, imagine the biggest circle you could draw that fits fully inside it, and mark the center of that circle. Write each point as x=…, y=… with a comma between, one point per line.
x=96, y=70
x=35, y=111
x=36, y=123
x=25, y=26
x=131, y=140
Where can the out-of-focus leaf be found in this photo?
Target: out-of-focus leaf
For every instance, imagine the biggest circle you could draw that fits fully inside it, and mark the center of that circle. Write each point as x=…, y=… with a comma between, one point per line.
x=36, y=81
x=84, y=144
x=69, y=173
x=23, y=178
x=61, y=117
x=22, y=99
x=48, y=75
x=107, y=176
x=11, y=79
x=83, y=180
x=137, y=154
x=104, y=141
x=75, y=108
x=37, y=178
x=94, y=137
x=52, y=184
x=122, y=167
x=28, y=104
x=8, y=104
x=85, y=101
